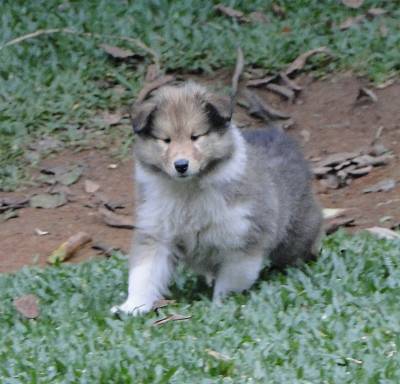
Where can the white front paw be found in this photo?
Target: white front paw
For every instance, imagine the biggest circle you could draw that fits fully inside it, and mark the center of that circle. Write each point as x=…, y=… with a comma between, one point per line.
x=133, y=307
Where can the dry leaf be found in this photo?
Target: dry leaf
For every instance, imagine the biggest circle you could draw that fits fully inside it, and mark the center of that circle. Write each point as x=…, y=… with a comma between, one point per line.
x=353, y=3
x=150, y=87
x=230, y=12
x=39, y=232
x=383, y=186
x=278, y=10
x=235, y=78
x=27, y=306
x=7, y=204
x=91, y=186
x=105, y=249
x=358, y=172
x=7, y=215
x=173, y=317
x=117, y=53
x=334, y=224
x=258, y=17
x=281, y=90
x=386, y=83
x=115, y=220
x=110, y=119
x=70, y=176
x=350, y=22
x=152, y=73
x=366, y=94
x=68, y=248
x=290, y=83
x=332, y=213
x=337, y=158
x=300, y=62
x=384, y=233
x=375, y=12
x=162, y=303
x=48, y=201
x=217, y=355
x=259, y=108
x=260, y=82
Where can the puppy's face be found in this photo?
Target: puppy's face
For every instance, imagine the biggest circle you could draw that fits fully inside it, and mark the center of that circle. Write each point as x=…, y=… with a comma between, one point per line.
x=182, y=132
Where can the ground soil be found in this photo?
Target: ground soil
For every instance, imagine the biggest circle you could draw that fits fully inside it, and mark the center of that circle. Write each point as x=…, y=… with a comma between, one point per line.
x=327, y=121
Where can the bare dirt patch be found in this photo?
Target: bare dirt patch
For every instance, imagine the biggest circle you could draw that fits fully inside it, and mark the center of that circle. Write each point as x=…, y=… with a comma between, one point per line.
x=327, y=121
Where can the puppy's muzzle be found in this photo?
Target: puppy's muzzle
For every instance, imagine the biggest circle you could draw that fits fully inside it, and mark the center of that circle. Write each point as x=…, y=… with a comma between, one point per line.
x=181, y=166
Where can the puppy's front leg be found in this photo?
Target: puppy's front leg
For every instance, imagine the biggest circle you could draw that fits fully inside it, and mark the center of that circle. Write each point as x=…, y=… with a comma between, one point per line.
x=237, y=273
x=149, y=275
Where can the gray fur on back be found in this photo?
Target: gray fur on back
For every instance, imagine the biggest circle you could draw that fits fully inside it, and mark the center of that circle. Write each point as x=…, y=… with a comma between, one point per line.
x=278, y=180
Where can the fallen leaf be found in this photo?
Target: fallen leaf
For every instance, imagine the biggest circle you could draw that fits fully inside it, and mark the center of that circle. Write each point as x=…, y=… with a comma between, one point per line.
x=70, y=175
x=39, y=232
x=152, y=73
x=337, y=158
x=7, y=215
x=365, y=94
x=260, y=109
x=27, y=306
x=162, y=303
x=116, y=52
x=383, y=186
x=386, y=83
x=47, y=200
x=375, y=12
x=217, y=355
x=69, y=247
x=321, y=171
x=91, y=186
x=384, y=233
x=258, y=17
x=115, y=220
x=112, y=166
x=358, y=172
x=350, y=22
x=150, y=87
x=281, y=90
x=173, y=317
x=13, y=203
x=331, y=182
x=105, y=249
x=334, y=224
x=230, y=12
x=332, y=213
x=278, y=10
x=300, y=62
x=260, y=82
x=353, y=3
x=306, y=135
x=378, y=149
x=110, y=119
x=290, y=83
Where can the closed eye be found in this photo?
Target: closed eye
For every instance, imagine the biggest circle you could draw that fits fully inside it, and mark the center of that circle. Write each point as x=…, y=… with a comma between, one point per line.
x=166, y=140
x=195, y=137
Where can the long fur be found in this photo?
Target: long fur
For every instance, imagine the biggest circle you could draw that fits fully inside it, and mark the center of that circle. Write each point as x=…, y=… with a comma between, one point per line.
x=246, y=200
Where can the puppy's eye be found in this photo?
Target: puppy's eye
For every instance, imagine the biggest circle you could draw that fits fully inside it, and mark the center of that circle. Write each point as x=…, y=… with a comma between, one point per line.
x=195, y=137
x=166, y=140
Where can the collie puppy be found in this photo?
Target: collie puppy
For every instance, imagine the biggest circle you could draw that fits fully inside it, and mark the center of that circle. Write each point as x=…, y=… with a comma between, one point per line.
x=223, y=201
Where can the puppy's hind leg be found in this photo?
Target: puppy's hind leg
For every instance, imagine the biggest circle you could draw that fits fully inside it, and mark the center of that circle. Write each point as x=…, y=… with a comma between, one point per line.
x=237, y=273
x=149, y=274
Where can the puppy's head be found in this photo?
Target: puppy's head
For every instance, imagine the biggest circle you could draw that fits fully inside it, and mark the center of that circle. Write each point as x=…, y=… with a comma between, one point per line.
x=182, y=131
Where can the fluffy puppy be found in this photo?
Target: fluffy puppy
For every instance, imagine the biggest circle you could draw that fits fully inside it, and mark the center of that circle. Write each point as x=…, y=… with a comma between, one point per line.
x=224, y=202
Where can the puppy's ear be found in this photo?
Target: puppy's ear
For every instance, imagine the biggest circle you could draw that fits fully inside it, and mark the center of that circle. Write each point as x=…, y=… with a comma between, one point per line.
x=218, y=112
x=142, y=118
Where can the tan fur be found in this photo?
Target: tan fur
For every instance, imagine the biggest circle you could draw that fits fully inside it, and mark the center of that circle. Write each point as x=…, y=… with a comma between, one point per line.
x=180, y=115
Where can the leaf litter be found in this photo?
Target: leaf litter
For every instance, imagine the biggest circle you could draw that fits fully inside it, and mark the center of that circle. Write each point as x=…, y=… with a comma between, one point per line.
x=27, y=306
x=67, y=249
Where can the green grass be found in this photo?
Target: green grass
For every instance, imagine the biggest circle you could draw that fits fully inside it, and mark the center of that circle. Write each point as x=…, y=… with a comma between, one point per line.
x=54, y=84
x=334, y=321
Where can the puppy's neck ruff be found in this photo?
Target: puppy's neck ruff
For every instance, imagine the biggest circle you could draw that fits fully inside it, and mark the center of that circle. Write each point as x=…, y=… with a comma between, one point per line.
x=228, y=170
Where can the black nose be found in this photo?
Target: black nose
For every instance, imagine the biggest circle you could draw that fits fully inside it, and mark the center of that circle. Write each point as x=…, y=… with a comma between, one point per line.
x=181, y=165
